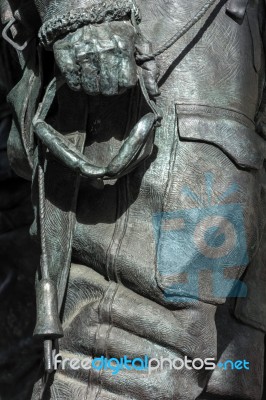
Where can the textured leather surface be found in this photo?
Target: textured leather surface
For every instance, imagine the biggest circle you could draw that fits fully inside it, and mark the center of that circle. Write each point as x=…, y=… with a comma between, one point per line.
x=107, y=318
x=115, y=236
x=106, y=309
x=50, y=8
x=232, y=132
x=122, y=213
x=116, y=300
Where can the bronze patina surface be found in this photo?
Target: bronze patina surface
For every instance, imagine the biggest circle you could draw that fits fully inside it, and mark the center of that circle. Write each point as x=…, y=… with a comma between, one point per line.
x=142, y=125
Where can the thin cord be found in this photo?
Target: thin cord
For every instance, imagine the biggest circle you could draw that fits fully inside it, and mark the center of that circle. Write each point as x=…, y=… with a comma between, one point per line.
x=44, y=260
x=147, y=57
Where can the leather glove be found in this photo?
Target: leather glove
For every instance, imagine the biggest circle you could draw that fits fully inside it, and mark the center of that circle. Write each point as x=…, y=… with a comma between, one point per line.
x=100, y=59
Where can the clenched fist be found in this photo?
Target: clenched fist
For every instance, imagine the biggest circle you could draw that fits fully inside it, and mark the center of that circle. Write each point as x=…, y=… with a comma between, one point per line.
x=98, y=59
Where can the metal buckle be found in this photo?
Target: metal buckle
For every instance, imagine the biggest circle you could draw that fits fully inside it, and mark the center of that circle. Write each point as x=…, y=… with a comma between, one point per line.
x=9, y=40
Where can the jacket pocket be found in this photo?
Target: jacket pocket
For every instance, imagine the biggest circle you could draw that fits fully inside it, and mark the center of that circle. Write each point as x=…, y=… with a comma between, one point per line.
x=204, y=245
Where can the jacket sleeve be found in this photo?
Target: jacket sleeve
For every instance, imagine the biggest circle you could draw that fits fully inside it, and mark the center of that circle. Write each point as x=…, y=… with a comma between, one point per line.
x=56, y=18
x=60, y=17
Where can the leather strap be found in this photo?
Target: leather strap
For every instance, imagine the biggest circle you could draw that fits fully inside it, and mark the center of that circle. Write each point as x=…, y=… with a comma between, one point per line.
x=61, y=190
x=135, y=148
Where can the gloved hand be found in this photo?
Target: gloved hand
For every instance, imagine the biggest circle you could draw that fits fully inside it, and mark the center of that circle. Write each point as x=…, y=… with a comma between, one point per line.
x=100, y=59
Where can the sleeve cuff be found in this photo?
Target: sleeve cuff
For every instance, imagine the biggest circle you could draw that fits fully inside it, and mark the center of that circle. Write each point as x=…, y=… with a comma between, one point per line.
x=58, y=26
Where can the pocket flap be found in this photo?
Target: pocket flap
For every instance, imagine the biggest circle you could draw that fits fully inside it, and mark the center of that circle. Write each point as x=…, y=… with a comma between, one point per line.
x=231, y=131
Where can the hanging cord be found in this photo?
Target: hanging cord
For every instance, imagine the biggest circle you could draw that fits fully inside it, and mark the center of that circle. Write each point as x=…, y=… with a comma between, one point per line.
x=48, y=343
x=44, y=262
x=147, y=57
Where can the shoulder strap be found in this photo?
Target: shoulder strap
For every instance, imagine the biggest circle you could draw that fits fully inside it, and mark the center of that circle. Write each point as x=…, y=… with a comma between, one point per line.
x=23, y=100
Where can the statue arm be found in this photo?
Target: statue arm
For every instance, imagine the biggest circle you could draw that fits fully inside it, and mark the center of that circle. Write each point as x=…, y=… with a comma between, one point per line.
x=93, y=41
x=94, y=44
x=59, y=17
x=93, y=55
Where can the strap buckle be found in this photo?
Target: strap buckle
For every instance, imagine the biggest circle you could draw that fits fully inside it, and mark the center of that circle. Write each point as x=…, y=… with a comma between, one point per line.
x=11, y=41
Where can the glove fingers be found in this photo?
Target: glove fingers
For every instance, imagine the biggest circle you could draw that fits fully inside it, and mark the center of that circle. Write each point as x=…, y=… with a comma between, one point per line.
x=98, y=58
x=90, y=74
x=108, y=61
x=108, y=73
x=65, y=59
x=127, y=75
x=87, y=58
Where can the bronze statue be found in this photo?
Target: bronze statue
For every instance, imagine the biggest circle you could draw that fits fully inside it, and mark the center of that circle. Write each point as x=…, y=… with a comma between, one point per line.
x=141, y=126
